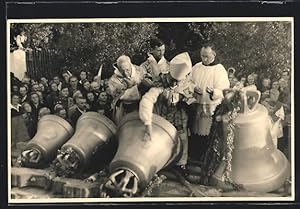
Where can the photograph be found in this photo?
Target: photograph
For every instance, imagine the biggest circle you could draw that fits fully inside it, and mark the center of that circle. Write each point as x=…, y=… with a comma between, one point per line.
x=179, y=109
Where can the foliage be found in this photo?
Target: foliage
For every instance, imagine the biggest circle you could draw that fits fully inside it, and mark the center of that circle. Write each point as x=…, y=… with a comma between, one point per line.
x=261, y=47
x=85, y=46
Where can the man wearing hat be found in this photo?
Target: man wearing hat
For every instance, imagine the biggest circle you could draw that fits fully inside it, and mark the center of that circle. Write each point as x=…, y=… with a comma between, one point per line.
x=167, y=101
x=122, y=86
x=210, y=78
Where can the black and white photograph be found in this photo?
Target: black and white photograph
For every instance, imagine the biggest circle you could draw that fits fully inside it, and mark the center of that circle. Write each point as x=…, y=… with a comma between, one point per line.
x=150, y=109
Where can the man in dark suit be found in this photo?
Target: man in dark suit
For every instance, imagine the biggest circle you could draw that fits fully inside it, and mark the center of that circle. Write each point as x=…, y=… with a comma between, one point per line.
x=80, y=109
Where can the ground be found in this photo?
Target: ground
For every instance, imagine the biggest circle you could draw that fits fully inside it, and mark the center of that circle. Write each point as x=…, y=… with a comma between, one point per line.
x=29, y=183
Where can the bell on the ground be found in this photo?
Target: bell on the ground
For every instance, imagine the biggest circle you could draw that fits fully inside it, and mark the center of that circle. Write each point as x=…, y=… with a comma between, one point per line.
x=52, y=132
x=257, y=165
x=137, y=160
x=94, y=136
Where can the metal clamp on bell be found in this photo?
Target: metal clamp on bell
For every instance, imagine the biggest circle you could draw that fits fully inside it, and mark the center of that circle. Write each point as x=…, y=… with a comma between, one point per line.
x=93, y=136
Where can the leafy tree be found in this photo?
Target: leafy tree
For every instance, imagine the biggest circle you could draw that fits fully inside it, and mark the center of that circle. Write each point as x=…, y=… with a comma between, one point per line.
x=260, y=47
x=78, y=46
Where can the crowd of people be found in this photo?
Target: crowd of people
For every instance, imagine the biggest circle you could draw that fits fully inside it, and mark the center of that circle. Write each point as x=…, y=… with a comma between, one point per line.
x=65, y=95
x=185, y=95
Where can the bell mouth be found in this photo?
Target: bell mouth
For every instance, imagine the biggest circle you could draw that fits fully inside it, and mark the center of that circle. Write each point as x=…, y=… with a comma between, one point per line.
x=31, y=158
x=123, y=182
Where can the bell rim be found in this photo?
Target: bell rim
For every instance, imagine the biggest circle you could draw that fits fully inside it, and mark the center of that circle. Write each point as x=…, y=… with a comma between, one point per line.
x=266, y=183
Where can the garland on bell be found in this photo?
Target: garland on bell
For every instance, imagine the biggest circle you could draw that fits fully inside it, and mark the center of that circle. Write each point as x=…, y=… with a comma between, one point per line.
x=220, y=147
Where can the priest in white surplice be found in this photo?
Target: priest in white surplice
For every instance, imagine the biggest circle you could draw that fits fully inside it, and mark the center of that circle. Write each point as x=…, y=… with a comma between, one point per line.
x=210, y=78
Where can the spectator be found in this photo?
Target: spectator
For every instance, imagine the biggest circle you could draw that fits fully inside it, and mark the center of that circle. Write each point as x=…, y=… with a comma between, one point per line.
x=81, y=107
x=286, y=75
x=251, y=81
x=44, y=81
x=14, y=80
x=274, y=92
x=30, y=120
x=65, y=99
x=95, y=87
x=57, y=80
x=73, y=85
x=82, y=76
x=73, y=107
x=43, y=111
x=265, y=84
x=42, y=101
x=26, y=80
x=18, y=127
x=61, y=112
x=243, y=80
x=231, y=72
x=91, y=100
x=103, y=105
x=85, y=90
x=233, y=81
x=283, y=85
x=35, y=87
x=15, y=88
x=44, y=93
x=35, y=104
x=33, y=81
x=23, y=90
x=284, y=95
x=15, y=105
x=66, y=77
x=53, y=96
x=86, y=86
x=265, y=94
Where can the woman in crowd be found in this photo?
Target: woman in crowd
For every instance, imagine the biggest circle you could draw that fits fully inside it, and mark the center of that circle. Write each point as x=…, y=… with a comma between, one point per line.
x=30, y=120
x=19, y=131
x=53, y=96
x=251, y=80
x=64, y=98
x=274, y=92
x=91, y=100
x=44, y=92
x=36, y=104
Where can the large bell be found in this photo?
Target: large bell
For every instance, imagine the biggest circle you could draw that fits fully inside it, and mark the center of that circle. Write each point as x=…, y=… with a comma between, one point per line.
x=94, y=134
x=52, y=132
x=138, y=159
x=257, y=165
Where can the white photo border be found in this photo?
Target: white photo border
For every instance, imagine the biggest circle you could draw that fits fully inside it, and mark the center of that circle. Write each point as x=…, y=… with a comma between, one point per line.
x=153, y=199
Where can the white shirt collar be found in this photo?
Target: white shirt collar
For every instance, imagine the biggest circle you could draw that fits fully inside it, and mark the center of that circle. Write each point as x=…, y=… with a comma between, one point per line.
x=162, y=60
x=15, y=108
x=82, y=111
